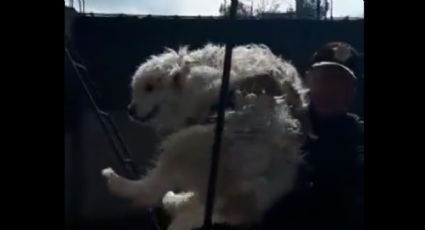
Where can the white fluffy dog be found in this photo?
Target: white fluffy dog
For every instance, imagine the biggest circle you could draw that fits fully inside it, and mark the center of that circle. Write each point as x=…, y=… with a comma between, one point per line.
x=260, y=153
x=175, y=89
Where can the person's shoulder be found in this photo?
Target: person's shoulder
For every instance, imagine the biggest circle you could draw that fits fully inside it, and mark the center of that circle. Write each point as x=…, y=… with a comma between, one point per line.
x=356, y=121
x=356, y=130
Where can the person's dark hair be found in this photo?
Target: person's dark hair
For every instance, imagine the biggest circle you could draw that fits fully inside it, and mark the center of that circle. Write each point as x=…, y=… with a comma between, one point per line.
x=335, y=52
x=339, y=52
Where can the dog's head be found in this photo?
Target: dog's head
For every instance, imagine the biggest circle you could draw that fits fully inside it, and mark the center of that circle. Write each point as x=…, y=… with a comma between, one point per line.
x=157, y=86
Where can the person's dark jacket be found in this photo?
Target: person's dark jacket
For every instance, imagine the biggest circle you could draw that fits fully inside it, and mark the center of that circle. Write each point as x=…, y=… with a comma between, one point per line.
x=329, y=190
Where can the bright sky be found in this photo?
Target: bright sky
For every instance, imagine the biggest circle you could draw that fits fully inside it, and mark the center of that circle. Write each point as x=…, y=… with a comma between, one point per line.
x=352, y=8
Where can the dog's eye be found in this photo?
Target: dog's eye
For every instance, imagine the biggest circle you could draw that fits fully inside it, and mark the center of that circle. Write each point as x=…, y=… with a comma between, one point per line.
x=149, y=88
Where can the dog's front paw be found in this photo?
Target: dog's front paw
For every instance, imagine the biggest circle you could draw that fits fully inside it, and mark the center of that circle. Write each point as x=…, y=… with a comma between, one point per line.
x=117, y=185
x=108, y=173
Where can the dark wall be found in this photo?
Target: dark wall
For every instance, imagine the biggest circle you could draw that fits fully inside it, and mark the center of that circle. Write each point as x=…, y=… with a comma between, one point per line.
x=114, y=46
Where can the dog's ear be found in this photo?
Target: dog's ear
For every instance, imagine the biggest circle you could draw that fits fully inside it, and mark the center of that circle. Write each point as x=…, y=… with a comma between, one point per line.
x=188, y=62
x=179, y=78
x=180, y=74
x=292, y=95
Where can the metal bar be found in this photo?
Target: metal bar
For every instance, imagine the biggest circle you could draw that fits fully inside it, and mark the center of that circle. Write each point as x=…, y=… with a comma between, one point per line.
x=219, y=126
x=82, y=66
x=124, y=157
x=128, y=163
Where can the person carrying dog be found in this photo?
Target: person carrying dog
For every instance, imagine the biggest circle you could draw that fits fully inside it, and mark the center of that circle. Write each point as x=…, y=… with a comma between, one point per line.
x=329, y=189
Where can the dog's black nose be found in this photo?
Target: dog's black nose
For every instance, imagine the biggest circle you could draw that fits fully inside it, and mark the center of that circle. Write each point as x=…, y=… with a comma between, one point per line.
x=131, y=110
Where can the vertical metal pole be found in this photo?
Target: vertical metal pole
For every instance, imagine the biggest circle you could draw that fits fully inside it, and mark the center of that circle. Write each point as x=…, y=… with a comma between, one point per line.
x=219, y=126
